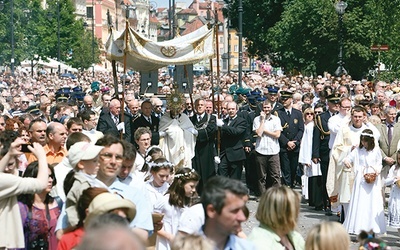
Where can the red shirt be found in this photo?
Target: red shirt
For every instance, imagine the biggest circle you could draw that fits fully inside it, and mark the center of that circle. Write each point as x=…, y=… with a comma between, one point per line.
x=70, y=240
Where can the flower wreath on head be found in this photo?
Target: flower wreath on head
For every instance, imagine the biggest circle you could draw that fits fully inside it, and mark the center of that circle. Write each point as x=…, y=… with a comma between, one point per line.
x=185, y=174
x=366, y=134
x=148, y=157
x=160, y=164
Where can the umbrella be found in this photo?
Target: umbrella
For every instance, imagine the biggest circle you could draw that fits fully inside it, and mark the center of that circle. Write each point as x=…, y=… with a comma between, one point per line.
x=69, y=75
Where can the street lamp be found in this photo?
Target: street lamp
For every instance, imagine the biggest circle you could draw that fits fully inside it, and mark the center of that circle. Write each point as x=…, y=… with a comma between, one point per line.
x=340, y=7
x=50, y=17
x=12, y=32
x=240, y=35
x=58, y=38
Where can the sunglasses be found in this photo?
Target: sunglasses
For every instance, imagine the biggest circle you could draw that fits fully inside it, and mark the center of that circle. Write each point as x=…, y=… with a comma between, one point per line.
x=25, y=102
x=309, y=113
x=318, y=112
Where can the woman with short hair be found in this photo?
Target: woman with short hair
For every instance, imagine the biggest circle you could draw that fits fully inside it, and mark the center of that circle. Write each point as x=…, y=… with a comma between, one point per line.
x=277, y=213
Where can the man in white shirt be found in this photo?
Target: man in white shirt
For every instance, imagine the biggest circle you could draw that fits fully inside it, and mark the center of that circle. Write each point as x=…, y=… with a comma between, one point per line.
x=268, y=129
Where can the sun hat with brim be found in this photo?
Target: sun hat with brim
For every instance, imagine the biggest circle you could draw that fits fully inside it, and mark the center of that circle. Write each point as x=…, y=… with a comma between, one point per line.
x=106, y=202
x=82, y=151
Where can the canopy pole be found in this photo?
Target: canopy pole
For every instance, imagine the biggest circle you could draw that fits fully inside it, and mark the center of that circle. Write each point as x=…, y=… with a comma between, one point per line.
x=124, y=78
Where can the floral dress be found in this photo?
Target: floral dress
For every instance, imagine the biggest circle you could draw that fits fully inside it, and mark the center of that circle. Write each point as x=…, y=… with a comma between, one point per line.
x=39, y=226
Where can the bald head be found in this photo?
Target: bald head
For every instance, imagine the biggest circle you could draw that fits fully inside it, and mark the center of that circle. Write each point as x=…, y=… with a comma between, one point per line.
x=115, y=107
x=88, y=101
x=134, y=106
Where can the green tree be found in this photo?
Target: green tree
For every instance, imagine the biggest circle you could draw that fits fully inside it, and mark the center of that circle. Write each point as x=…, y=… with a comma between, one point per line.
x=258, y=17
x=36, y=31
x=304, y=34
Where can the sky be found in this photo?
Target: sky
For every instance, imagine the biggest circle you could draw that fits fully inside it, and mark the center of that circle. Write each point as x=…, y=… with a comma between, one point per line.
x=165, y=3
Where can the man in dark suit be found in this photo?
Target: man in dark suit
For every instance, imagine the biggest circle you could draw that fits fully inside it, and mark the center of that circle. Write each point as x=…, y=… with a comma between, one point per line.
x=233, y=130
x=109, y=121
x=203, y=160
x=188, y=108
x=292, y=132
x=321, y=153
x=149, y=120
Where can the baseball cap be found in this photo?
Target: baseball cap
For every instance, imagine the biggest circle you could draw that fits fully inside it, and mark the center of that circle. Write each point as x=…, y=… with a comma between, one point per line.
x=82, y=151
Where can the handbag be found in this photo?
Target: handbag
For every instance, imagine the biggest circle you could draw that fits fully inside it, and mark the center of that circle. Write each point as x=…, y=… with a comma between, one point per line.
x=370, y=177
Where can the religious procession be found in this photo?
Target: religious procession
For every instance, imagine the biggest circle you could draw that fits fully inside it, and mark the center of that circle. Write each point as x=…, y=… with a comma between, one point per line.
x=157, y=157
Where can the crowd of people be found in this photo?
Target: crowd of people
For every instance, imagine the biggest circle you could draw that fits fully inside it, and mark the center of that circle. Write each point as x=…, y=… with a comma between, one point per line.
x=84, y=167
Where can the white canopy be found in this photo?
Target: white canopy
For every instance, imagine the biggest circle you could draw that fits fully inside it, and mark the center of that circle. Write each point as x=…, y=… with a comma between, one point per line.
x=146, y=55
x=47, y=63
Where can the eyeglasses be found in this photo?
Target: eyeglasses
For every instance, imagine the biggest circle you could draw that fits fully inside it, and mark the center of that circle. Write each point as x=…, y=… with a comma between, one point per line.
x=108, y=157
x=309, y=113
x=25, y=102
x=318, y=112
x=159, y=106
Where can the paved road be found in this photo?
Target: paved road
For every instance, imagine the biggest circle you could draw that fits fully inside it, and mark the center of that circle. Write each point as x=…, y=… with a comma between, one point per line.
x=309, y=217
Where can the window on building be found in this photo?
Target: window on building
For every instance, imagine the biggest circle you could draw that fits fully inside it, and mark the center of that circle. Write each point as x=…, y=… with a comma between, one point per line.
x=89, y=12
x=221, y=39
x=236, y=48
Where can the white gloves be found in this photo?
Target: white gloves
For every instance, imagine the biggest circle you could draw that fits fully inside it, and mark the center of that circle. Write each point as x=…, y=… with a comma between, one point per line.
x=220, y=122
x=193, y=131
x=121, y=126
x=217, y=160
x=162, y=133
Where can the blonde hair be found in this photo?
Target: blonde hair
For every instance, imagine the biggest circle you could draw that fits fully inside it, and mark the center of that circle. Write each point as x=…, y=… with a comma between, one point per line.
x=328, y=235
x=279, y=208
x=191, y=242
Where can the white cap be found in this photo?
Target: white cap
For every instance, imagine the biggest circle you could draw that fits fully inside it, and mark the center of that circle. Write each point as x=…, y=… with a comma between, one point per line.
x=82, y=151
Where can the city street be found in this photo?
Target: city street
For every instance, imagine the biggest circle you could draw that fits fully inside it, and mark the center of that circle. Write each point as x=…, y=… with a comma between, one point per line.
x=309, y=217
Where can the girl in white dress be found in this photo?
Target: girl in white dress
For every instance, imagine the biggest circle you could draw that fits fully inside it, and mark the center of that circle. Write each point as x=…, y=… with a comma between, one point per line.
x=158, y=185
x=152, y=153
x=394, y=199
x=366, y=202
x=179, y=197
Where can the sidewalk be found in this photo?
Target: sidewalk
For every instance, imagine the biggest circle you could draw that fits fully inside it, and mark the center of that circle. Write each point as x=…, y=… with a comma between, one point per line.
x=309, y=217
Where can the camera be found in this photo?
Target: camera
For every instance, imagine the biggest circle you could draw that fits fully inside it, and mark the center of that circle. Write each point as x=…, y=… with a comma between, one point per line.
x=39, y=244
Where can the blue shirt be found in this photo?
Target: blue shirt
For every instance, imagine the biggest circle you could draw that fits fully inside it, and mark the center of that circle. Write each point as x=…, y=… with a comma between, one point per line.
x=235, y=243
x=138, y=196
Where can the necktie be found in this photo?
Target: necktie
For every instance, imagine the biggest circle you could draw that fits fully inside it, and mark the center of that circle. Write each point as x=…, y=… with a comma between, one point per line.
x=288, y=113
x=199, y=118
x=116, y=120
x=390, y=133
x=149, y=119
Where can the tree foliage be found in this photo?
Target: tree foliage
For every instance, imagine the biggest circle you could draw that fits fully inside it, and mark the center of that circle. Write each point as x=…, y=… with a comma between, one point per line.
x=36, y=32
x=304, y=34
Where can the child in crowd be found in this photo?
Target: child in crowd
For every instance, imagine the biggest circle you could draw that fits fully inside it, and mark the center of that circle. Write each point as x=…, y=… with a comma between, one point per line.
x=84, y=158
x=393, y=180
x=366, y=201
x=158, y=185
x=369, y=242
x=152, y=153
x=179, y=197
